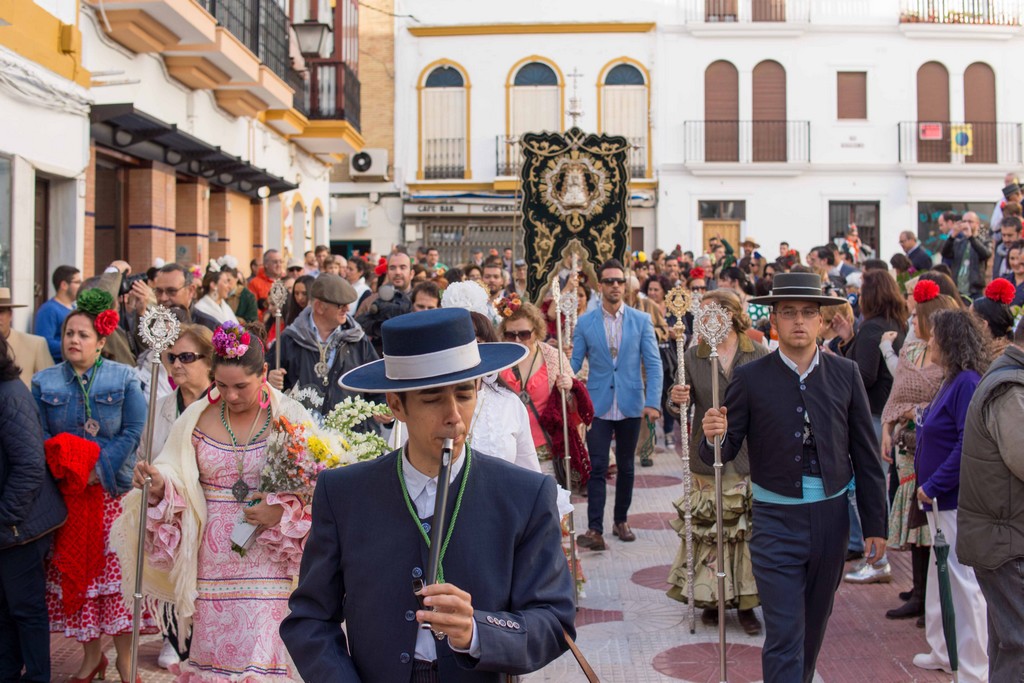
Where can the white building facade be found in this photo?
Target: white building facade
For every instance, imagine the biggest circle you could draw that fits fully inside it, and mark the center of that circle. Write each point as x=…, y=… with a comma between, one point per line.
x=784, y=120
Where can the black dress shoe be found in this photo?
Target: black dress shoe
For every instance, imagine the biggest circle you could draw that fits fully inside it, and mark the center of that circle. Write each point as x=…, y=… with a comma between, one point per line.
x=709, y=617
x=908, y=610
x=748, y=621
x=920, y=621
x=906, y=595
x=852, y=555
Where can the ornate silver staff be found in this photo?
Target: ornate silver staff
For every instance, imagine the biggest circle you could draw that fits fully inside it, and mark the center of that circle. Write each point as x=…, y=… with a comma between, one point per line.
x=712, y=322
x=556, y=294
x=277, y=298
x=159, y=330
x=678, y=303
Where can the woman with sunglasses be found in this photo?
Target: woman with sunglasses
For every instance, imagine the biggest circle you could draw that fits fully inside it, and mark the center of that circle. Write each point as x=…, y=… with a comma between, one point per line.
x=536, y=379
x=189, y=363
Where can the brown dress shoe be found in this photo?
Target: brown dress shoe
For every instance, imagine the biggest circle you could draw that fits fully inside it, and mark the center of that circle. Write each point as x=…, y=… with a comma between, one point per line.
x=623, y=532
x=592, y=540
x=748, y=621
x=709, y=617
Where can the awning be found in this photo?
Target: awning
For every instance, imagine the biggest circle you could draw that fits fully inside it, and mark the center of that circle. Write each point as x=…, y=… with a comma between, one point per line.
x=125, y=128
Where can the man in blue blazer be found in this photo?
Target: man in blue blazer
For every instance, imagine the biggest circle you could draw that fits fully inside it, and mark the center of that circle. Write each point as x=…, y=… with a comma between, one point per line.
x=615, y=339
x=503, y=603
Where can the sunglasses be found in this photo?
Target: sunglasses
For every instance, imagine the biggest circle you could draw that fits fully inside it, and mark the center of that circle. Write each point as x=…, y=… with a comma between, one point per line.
x=522, y=335
x=185, y=357
x=613, y=281
x=698, y=289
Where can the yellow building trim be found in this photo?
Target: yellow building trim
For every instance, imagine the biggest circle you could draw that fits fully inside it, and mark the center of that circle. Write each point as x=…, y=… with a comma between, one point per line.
x=510, y=79
x=292, y=117
x=420, y=87
x=449, y=186
x=37, y=35
x=530, y=29
x=649, y=170
x=333, y=129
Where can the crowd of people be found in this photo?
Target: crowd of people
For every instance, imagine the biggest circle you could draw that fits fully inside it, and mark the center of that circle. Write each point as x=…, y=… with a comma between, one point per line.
x=884, y=396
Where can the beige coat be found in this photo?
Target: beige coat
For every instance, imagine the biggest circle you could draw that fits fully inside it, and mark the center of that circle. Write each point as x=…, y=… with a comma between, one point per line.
x=30, y=353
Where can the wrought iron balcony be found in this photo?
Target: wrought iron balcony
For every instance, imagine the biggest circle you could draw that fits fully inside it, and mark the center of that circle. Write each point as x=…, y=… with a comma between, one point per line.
x=747, y=141
x=980, y=12
x=444, y=158
x=943, y=142
x=296, y=80
x=509, y=158
x=261, y=25
x=333, y=92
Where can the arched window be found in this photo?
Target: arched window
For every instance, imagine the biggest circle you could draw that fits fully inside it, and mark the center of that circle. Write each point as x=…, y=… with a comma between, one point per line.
x=444, y=122
x=623, y=105
x=721, y=112
x=933, y=107
x=535, y=98
x=980, y=113
x=769, y=112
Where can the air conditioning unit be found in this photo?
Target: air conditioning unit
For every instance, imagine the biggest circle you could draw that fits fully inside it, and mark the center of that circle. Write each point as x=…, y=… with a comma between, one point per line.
x=370, y=164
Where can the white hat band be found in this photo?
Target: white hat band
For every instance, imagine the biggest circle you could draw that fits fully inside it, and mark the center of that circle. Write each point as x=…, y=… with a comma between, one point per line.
x=437, y=363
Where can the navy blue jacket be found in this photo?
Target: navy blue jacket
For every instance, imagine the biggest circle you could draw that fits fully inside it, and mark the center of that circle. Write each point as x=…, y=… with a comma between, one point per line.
x=364, y=550
x=30, y=504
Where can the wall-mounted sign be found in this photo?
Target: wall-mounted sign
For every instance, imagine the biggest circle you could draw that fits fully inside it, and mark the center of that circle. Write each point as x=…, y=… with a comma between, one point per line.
x=929, y=131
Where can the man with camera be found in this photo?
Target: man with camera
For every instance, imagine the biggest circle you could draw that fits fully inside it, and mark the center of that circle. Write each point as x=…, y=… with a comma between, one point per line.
x=967, y=253
x=392, y=299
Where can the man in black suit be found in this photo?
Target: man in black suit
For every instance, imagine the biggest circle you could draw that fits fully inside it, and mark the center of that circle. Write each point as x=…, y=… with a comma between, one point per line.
x=914, y=251
x=806, y=444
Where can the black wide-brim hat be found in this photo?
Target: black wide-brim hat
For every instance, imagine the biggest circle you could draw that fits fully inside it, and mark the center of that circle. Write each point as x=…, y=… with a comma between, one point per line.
x=427, y=349
x=797, y=287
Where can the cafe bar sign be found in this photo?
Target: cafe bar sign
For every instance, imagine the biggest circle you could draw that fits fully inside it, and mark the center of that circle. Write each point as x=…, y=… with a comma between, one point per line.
x=425, y=210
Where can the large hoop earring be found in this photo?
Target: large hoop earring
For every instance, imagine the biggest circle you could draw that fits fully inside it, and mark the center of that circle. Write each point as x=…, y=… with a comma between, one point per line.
x=209, y=395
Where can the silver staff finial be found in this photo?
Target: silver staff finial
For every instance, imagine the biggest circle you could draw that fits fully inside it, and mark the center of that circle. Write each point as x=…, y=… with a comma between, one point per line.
x=159, y=329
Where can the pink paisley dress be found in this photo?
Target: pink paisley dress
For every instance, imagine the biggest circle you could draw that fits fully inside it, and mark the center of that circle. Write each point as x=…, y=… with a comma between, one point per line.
x=241, y=600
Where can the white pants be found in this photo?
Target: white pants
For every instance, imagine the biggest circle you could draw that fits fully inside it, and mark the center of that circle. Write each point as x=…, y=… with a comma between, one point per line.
x=968, y=603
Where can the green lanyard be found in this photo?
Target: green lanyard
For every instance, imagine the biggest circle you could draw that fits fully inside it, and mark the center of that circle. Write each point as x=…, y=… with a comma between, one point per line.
x=455, y=513
x=86, y=388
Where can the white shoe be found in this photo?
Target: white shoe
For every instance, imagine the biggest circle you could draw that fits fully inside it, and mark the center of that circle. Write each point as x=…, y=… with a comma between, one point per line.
x=931, y=662
x=870, y=573
x=168, y=655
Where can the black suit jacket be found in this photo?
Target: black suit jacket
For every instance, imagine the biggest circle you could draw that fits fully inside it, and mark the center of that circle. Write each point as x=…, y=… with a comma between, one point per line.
x=364, y=551
x=920, y=258
x=773, y=429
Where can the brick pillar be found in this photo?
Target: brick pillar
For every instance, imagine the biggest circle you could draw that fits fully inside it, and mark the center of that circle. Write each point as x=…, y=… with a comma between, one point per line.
x=151, y=215
x=89, y=236
x=258, y=232
x=192, y=233
x=220, y=238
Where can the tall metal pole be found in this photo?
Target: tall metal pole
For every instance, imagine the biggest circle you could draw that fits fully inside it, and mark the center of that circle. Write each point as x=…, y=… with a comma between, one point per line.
x=159, y=329
x=678, y=303
x=556, y=295
x=278, y=298
x=712, y=323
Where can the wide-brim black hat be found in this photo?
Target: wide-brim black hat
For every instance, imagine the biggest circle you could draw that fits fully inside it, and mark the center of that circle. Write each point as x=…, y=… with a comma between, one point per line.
x=427, y=349
x=797, y=287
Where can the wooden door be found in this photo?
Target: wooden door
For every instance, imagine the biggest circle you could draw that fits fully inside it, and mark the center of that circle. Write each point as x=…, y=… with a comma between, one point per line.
x=721, y=112
x=727, y=230
x=980, y=112
x=41, y=242
x=933, y=107
x=769, y=86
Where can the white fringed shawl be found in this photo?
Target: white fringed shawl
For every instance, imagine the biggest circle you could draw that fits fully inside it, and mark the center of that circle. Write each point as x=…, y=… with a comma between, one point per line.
x=178, y=465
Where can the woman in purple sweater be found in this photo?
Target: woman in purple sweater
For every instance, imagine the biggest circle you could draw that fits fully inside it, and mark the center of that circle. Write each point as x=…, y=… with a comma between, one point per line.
x=959, y=346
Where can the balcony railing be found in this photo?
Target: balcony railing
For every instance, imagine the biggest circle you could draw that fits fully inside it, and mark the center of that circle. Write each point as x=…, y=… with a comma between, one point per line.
x=296, y=80
x=747, y=11
x=982, y=12
x=509, y=158
x=444, y=158
x=942, y=142
x=261, y=25
x=747, y=141
x=333, y=92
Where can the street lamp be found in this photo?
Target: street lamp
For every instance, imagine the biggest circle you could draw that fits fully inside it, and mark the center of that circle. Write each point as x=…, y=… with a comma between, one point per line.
x=314, y=38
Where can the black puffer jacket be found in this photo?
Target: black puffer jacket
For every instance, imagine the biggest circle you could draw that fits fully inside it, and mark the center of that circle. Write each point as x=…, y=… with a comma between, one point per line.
x=300, y=353
x=30, y=504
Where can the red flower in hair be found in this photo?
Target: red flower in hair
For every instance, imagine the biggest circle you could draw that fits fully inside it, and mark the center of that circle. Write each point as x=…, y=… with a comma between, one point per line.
x=697, y=273
x=1001, y=291
x=925, y=290
x=106, y=322
x=382, y=266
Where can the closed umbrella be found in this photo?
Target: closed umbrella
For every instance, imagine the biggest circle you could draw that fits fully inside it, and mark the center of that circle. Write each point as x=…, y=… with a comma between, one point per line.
x=941, y=548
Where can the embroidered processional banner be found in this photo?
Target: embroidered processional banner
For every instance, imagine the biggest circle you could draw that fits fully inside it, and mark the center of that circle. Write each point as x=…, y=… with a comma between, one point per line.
x=575, y=201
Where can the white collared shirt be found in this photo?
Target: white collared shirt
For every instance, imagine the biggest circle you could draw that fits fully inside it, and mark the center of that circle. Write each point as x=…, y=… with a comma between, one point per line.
x=423, y=492
x=793, y=366
x=613, y=323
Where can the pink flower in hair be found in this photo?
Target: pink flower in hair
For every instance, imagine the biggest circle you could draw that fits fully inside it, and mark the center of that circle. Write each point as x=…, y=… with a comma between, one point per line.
x=231, y=340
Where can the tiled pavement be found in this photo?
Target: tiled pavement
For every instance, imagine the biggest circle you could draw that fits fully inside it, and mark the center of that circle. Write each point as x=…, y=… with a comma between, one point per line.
x=631, y=632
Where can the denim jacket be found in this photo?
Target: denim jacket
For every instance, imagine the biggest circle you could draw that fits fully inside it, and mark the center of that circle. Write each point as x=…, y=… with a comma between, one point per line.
x=118, y=404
